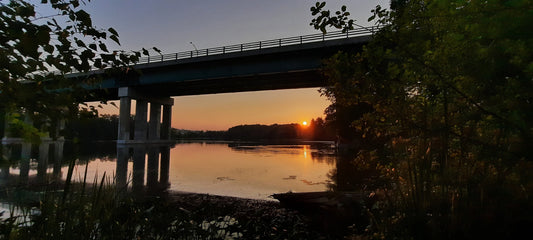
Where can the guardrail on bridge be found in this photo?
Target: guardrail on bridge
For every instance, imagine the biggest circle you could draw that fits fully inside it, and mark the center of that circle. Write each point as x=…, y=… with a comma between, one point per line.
x=259, y=45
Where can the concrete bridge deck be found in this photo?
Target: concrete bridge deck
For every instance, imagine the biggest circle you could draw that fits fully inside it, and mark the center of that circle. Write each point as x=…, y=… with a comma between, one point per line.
x=266, y=65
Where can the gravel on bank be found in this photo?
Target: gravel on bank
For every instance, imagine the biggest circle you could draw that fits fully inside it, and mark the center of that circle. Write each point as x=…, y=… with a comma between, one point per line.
x=257, y=219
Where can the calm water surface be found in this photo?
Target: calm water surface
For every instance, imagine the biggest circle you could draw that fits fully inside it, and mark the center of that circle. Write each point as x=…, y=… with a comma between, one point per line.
x=248, y=171
x=219, y=168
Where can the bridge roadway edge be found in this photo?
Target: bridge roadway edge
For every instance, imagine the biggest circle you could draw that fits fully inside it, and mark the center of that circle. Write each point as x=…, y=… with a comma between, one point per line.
x=273, y=68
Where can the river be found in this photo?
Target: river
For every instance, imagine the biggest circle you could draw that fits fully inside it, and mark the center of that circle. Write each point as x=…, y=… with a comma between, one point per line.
x=248, y=170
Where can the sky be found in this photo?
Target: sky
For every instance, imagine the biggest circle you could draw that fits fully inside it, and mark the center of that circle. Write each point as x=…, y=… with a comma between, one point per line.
x=171, y=26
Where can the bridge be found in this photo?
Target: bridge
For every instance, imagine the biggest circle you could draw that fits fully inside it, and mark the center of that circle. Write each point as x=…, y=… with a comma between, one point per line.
x=284, y=63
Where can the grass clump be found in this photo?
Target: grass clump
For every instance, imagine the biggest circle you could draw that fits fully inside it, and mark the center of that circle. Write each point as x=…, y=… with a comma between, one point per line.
x=102, y=211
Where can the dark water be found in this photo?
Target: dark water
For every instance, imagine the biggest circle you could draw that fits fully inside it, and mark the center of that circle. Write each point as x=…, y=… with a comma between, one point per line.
x=220, y=168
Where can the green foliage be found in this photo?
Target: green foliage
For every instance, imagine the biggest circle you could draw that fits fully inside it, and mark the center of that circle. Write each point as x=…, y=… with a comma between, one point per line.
x=448, y=95
x=88, y=127
x=36, y=52
x=17, y=127
x=325, y=18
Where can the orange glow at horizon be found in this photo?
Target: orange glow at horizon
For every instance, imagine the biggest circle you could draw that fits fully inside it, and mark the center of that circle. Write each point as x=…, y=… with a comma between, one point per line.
x=260, y=107
x=223, y=111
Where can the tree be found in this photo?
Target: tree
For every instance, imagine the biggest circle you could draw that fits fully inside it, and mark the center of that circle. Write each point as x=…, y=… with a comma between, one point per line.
x=36, y=53
x=88, y=127
x=450, y=110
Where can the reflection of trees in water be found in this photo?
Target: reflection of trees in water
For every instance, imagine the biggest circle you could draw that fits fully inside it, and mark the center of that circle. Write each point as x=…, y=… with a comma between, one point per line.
x=324, y=156
x=105, y=151
x=320, y=152
x=356, y=171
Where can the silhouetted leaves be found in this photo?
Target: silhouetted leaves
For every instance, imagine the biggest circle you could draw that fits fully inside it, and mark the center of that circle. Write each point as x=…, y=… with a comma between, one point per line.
x=326, y=19
x=52, y=46
x=448, y=90
x=115, y=38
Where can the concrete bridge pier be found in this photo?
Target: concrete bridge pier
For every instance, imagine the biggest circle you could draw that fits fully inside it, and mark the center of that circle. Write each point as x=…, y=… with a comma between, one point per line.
x=157, y=130
x=42, y=164
x=25, y=156
x=58, y=158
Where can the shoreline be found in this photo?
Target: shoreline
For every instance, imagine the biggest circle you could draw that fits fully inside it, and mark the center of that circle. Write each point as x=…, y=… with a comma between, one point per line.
x=320, y=221
x=260, y=219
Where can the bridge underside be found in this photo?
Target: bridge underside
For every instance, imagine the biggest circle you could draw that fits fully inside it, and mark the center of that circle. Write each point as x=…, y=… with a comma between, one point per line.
x=266, y=69
x=277, y=81
x=157, y=95
x=291, y=80
x=288, y=67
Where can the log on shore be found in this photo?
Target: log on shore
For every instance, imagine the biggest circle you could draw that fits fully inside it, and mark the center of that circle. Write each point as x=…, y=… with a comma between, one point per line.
x=331, y=211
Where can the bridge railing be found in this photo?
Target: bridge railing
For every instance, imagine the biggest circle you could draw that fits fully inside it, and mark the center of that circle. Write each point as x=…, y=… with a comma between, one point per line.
x=318, y=37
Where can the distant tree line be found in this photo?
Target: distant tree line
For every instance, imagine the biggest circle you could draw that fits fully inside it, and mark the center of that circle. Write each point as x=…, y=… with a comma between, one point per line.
x=88, y=126
x=263, y=132
x=191, y=134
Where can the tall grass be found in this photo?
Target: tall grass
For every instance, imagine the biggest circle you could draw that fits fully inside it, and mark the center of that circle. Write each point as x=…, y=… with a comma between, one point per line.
x=475, y=195
x=100, y=210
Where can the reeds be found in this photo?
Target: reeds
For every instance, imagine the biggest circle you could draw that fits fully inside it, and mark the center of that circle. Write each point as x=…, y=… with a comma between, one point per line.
x=100, y=210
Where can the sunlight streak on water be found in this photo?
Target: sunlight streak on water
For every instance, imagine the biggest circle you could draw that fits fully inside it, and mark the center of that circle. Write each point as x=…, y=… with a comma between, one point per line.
x=229, y=169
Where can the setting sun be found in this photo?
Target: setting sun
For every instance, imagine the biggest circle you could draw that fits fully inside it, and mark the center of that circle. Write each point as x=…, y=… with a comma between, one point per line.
x=304, y=123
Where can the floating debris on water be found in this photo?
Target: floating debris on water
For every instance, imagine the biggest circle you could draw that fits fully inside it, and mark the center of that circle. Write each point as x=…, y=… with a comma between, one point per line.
x=291, y=177
x=225, y=179
x=311, y=182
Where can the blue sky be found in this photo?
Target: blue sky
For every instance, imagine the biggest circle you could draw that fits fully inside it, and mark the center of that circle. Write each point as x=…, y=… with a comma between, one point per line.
x=171, y=26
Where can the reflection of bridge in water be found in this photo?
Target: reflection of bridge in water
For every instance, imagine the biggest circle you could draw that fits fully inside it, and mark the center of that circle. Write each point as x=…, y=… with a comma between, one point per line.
x=147, y=168
x=152, y=160
x=22, y=152
x=44, y=163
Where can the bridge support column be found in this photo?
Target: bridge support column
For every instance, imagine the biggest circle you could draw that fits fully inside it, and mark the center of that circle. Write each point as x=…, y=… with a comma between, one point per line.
x=124, y=119
x=167, y=119
x=24, y=167
x=141, y=116
x=58, y=157
x=153, y=132
x=42, y=164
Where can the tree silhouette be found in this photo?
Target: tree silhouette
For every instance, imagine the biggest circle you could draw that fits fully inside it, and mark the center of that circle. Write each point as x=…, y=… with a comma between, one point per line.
x=445, y=103
x=38, y=51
